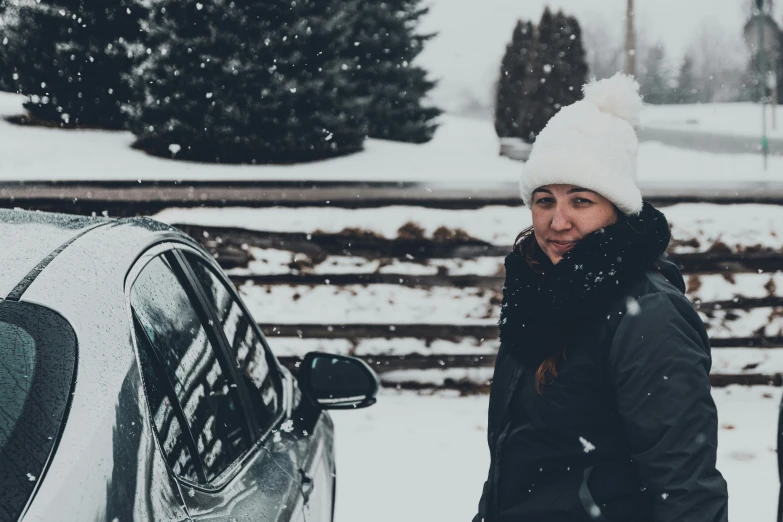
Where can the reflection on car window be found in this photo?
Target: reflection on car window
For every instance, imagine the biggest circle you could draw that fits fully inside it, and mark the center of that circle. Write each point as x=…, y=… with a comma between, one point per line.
x=250, y=356
x=189, y=362
x=179, y=453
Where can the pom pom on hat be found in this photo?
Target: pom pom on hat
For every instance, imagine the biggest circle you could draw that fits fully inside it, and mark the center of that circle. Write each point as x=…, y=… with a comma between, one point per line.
x=618, y=95
x=591, y=144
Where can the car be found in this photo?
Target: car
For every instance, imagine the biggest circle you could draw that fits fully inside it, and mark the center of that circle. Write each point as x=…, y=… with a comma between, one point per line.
x=135, y=385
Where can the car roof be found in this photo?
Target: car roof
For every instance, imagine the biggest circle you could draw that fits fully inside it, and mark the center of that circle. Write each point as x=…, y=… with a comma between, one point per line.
x=31, y=237
x=35, y=241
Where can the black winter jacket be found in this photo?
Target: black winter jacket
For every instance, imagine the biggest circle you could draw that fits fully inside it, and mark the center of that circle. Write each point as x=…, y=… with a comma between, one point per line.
x=627, y=431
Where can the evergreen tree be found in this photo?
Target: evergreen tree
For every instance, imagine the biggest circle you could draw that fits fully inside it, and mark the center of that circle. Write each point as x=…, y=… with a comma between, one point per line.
x=384, y=46
x=6, y=78
x=512, y=84
x=559, y=71
x=72, y=59
x=571, y=69
x=654, y=79
x=249, y=82
x=687, y=91
x=539, y=107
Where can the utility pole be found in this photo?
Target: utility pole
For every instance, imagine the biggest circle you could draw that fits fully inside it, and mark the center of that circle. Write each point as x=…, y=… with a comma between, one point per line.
x=630, y=41
x=773, y=77
x=762, y=59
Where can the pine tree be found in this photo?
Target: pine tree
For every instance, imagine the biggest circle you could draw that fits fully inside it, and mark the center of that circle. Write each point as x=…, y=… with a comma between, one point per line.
x=512, y=84
x=654, y=79
x=687, y=91
x=539, y=107
x=560, y=68
x=250, y=82
x=385, y=44
x=6, y=78
x=72, y=59
x=571, y=69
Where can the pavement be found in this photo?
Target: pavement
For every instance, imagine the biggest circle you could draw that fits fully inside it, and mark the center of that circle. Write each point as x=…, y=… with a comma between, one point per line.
x=709, y=142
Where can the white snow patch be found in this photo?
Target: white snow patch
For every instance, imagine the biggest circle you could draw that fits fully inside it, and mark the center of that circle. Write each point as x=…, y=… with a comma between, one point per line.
x=744, y=323
x=717, y=287
x=439, y=377
x=377, y=303
x=268, y=261
x=586, y=445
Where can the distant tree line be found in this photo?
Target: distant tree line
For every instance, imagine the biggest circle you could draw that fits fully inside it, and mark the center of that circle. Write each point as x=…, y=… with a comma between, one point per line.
x=545, y=65
x=230, y=81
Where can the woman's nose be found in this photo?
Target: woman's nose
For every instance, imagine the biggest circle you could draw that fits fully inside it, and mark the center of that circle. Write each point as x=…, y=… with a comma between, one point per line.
x=561, y=220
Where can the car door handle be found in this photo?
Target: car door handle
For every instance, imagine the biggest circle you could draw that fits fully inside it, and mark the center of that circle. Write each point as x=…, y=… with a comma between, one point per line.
x=307, y=485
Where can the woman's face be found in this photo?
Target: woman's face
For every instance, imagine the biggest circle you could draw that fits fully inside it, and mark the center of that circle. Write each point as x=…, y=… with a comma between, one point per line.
x=564, y=214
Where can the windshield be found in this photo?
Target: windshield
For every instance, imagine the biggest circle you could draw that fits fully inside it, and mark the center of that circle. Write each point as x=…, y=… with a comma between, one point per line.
x=37, y=362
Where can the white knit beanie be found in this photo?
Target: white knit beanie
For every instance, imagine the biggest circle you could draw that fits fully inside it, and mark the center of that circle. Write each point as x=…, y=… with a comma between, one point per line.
x=591, y=144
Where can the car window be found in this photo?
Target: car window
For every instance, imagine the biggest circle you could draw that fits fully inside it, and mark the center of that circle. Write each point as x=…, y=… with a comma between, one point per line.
x=189, y=363
x=250, y=355
x=178, y=447
x=37, y=362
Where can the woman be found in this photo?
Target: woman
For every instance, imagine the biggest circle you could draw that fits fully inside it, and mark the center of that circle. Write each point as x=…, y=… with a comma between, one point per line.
x=600, y=407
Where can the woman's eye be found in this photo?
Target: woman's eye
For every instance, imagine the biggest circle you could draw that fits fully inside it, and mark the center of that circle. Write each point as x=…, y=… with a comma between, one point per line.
x=582, y=201
x=544, y=201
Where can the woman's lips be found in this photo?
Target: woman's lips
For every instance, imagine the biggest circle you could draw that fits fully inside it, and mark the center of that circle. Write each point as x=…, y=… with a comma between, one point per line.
x=561, y=247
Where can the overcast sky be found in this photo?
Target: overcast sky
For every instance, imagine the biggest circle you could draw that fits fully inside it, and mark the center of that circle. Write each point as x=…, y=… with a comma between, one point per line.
x=473, y=33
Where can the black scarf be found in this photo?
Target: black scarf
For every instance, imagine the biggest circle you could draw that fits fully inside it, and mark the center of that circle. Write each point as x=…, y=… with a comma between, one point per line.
x=541, y=308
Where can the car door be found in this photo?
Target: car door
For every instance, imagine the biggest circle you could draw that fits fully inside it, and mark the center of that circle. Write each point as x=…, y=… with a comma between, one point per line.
x=202, y=416
x=304, y=441
x=308, y=431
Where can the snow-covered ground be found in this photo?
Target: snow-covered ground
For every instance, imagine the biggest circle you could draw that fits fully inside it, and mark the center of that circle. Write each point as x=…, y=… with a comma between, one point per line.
x=463, y=151
x=423, y=457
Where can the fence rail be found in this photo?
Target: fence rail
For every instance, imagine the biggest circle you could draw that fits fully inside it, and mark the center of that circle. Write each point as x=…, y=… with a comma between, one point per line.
x=392, y=363
x=452, y=333
x=230, y=246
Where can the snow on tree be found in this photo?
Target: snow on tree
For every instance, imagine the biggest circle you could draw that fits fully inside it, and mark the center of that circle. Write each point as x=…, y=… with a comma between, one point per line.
x=385, y=45
x=72, y=59
x=654, y=76
x=514, y=81
x=244, y=81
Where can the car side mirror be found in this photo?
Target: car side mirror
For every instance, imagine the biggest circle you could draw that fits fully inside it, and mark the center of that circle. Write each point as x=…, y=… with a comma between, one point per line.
x=338, y=382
